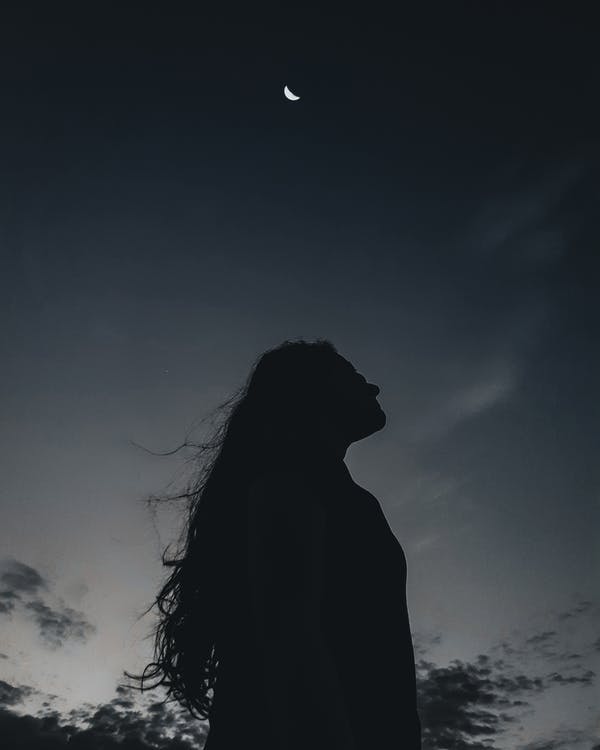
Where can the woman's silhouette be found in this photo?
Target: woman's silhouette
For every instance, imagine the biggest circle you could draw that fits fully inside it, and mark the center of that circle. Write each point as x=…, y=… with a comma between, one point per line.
x=288, y=601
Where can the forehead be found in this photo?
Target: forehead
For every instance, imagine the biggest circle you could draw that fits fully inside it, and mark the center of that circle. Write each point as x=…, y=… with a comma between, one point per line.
x=343, y=366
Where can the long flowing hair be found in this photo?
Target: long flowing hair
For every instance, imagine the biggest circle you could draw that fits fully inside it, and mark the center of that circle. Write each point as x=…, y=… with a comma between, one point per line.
x=264, y=423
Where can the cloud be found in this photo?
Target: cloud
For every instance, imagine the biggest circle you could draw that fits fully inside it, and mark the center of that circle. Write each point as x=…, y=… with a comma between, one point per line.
x=7, y=602
x=57, y=626
x=10, y=695
x=19, y=578
x=467, y=704
x=119, y=724
x=24, y=588
x=464, y=705
x=16, y=581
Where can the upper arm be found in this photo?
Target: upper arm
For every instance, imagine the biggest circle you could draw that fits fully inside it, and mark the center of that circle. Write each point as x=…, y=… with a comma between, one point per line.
x=285, y=545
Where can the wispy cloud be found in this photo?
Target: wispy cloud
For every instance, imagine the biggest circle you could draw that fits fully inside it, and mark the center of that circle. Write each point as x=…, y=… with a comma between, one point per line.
x=581, y=608
x=495, y=309
x=523, y=220
x=480, y=389
x=551, y=644
x=26, y=590
x=59, y=625
x=426, y=542
x=424, y=643
x=566, y=739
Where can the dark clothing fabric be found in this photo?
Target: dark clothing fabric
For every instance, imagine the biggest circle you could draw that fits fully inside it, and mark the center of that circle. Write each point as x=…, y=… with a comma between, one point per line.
x=364, y=621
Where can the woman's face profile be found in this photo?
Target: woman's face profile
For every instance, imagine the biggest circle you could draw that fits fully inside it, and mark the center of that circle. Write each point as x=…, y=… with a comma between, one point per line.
x=352, y=401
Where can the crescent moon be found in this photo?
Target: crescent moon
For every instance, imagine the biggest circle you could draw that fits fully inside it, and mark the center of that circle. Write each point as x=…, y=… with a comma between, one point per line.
x=289, y=95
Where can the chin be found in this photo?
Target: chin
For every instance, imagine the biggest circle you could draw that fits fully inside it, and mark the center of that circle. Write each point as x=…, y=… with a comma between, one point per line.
x=382, y=419
x=377, y=420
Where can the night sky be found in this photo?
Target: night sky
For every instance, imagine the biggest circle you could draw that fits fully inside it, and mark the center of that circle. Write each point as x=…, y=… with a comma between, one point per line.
x=430, y=204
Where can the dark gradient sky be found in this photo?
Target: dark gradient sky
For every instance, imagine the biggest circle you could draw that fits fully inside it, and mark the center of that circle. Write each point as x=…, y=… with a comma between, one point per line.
x=430, y=205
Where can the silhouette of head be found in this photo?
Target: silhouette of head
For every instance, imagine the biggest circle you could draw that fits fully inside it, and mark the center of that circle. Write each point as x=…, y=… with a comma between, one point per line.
x=307, y=393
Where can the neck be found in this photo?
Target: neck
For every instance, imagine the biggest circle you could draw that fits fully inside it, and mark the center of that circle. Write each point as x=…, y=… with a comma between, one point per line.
x=329, y=442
